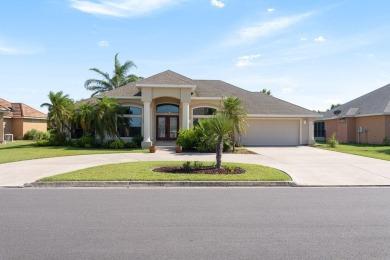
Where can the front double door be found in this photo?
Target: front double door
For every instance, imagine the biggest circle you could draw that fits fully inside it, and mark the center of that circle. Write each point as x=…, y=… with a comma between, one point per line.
x=167, y=127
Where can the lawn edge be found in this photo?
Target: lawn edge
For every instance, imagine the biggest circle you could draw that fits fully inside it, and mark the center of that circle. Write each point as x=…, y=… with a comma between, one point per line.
x=131, y=184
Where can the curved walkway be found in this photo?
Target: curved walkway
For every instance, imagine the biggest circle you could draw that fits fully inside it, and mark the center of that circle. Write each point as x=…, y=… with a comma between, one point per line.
x=306, y=165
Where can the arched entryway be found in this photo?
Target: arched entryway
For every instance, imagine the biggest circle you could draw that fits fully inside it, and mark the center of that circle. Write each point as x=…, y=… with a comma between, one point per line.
x=167, y=122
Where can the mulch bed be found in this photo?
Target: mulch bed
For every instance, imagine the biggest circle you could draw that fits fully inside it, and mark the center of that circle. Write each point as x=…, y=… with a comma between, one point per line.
x=203, y=170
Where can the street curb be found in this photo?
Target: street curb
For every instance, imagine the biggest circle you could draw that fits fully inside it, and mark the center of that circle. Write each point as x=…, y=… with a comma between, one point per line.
x=130, y=184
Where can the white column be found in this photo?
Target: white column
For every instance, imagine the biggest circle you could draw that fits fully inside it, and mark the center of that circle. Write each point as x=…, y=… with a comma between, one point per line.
x=147, y=142
x=186, y=115
x=1, y=129
x=311, y=132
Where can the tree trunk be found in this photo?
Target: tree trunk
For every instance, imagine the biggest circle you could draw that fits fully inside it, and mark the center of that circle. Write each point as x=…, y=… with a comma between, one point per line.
x=234, y=141
x=218, y=152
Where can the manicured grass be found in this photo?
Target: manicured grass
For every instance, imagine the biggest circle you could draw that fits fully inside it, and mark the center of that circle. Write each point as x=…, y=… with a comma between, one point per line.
x=142, y=171
x=27, y=150
x=373, y=151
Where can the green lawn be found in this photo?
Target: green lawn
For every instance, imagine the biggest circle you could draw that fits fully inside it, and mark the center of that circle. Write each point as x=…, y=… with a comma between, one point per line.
x=373, y=151
x=27, y=150
x=142, y=171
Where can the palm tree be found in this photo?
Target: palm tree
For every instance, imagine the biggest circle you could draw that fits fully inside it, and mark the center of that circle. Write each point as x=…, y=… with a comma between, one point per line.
x=105, y=118
x=218, y=126
x=60, y=110
x=84, y=116
x=234, y=110
x=119, y=79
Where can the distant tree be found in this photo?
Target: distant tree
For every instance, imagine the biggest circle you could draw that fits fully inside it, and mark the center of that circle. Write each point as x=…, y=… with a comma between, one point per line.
x=266, y=91
x=334, y=106
x=60, y=110
x=119, y=79
x=234, y=110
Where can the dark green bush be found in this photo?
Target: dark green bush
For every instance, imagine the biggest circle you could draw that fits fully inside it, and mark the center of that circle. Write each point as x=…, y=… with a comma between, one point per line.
x=86, y=141
x=131, y=145
x=188, y=139
x=138, y=140
x=117, y=144
x=58, y=139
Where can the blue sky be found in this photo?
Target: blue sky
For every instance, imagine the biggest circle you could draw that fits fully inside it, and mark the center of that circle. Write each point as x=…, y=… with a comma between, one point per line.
x=311, y=53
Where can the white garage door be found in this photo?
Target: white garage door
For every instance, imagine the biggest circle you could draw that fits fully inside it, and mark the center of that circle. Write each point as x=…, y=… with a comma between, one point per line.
x=271, y=132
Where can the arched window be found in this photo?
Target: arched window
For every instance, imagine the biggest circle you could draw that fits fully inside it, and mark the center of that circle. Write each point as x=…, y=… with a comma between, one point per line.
x=167, y=108
x=202, y=112
x=130, y=123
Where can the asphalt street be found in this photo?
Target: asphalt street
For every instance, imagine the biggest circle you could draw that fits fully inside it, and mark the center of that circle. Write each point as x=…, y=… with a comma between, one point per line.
x=195, y=223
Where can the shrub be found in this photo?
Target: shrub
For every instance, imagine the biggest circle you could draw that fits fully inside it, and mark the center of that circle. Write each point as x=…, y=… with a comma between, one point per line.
x=198, y=165
x=332, y=141
x=187, y=138
x=117, y=144
x=58, y=138
x=386, y=141
x=29, y=135
x=230, y=168
x=39, y=135
x=43, y=142
x=187, y=166
x=138, y=140
x=131, y=145
x=86, y=141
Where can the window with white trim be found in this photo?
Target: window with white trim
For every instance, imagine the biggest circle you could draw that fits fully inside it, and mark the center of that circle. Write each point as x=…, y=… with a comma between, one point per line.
x=130, y=123
x=202, y=112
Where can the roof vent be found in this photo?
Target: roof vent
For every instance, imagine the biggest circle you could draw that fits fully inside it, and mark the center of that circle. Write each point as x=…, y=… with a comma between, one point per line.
x=337, y=112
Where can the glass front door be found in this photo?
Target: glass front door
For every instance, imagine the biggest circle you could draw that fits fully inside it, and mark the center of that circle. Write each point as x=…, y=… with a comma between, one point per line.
x=167, y=127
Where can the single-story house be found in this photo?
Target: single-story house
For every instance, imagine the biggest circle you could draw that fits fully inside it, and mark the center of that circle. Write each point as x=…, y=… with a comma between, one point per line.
x=365, y=119
x=157, y=106
x=18, y=118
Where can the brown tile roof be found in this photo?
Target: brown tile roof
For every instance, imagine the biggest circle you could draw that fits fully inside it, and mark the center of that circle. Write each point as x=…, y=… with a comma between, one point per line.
x=21, y=110
x=255, y=102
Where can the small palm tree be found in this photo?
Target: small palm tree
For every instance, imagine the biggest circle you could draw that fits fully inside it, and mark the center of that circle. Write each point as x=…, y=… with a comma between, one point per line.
x=105, y=118
x=218, y=126
x=84, y=116
x=119, y=79
x=60, y=111
x=234, y=110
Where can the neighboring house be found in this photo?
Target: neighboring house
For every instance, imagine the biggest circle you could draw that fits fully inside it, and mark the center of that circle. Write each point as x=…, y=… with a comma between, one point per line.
x=3, y=110
x=365, y=119
x=156, y=107
x=18, y=118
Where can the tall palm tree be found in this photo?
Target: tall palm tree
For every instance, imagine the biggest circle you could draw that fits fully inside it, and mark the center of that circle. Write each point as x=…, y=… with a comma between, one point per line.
x=218, y=126
x=105, y=118
x=119, y=79
x=60, y=111
x=234, y=110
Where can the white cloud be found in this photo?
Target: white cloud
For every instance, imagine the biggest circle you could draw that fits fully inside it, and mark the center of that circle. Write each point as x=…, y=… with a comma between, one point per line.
x=244, y=61
x=104, y=44
x=121, y=8
x=217, y=3
x=303, y=39
x=265, y=29
x=8, y=51
x=270, y=10
x=320, y=39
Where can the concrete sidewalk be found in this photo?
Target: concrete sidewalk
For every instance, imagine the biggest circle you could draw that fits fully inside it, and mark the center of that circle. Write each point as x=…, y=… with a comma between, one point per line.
x=306, y=165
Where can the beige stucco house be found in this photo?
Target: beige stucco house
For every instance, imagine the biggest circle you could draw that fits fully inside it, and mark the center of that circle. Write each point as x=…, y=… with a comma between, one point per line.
x=158, y=106
x=365, y=119
x=17, y=118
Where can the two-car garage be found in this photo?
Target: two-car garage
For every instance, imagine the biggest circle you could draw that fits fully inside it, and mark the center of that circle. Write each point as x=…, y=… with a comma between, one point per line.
x=272, y=132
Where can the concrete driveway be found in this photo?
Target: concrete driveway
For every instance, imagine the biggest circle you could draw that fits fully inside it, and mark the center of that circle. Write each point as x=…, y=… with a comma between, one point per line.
x=306, y=165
